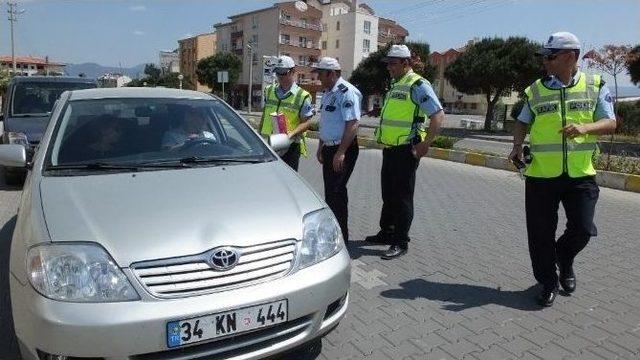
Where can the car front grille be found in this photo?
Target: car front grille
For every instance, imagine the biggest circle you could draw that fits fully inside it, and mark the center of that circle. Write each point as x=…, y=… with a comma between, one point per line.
x=192, y=275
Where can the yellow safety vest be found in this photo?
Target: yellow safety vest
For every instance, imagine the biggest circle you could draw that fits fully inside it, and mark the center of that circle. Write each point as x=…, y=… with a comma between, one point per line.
x=553, y=153
x=290, y=106
x=401, y=119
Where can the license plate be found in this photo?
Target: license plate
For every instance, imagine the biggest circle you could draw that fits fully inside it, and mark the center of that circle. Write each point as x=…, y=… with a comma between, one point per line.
x=219, y=325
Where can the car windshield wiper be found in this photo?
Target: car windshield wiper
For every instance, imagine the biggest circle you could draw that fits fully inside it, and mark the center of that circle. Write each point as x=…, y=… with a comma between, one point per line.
x=217, y=159
x=93, y=166
x=30, y=115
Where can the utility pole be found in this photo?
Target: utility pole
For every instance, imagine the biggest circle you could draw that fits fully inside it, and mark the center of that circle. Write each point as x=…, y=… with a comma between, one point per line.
x=250, y=75
x=13, y=17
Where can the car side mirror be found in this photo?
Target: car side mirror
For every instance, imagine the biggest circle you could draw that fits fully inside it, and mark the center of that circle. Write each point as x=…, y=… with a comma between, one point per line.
x=279, y=142
x=13, y=156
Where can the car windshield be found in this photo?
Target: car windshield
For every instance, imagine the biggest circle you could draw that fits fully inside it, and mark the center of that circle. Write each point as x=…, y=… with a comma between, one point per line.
x=152, y=132
x=37, y=98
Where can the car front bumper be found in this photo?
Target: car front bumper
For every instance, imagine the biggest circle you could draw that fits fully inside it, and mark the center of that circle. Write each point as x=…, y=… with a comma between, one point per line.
x=317, y=301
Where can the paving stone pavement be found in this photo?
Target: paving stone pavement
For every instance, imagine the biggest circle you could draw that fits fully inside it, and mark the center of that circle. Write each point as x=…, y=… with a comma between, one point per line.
x=465, y=289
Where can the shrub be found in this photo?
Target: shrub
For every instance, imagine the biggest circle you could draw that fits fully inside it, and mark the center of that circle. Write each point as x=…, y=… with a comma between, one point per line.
x=444, y=142
x=628, y=115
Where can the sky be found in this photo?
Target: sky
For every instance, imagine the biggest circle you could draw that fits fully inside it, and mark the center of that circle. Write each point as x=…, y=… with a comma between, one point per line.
x=127, y=33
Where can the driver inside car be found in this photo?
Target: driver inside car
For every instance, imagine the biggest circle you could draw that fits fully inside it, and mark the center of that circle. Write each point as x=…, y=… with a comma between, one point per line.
x=193, y=127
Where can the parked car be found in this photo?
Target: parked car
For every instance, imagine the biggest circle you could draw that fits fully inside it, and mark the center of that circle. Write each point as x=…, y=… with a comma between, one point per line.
x=27, y=107
x=157, y=224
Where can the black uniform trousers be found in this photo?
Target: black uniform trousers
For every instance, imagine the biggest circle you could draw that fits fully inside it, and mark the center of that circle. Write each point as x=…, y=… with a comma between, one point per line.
x=335, y=183
x=292, y=156
x=398, y=180
x=542, y=197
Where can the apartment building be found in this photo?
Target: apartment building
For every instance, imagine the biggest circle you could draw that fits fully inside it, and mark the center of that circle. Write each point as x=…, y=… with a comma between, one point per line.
x=454, y=100
x=350, y=32
x=30, y=66
x=390, y=32
x=191, y=51
x=282, y=29
x=170, y=61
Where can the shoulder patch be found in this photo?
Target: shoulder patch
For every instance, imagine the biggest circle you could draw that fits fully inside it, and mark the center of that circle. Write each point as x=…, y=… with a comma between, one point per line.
x=343, y=88
x=609, y=98
x=419, y=82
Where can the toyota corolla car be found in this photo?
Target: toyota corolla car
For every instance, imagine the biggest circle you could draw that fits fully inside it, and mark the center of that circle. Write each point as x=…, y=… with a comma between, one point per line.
x=156, y=224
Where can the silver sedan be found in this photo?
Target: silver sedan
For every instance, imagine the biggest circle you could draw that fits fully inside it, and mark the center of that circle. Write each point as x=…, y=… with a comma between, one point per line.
x=156, y=224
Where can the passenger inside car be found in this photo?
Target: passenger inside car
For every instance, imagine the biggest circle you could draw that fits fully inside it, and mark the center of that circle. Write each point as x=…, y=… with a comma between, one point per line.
x=193, y=127
x=99, y=138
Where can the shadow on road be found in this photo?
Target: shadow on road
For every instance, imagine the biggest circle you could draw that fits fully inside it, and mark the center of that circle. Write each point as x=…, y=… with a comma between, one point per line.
x=8, y=344
x=462, y=296
x=359, y=248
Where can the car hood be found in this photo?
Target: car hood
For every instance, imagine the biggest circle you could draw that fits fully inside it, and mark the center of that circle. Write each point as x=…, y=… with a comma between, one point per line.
x=169, y=213
x=33, y=127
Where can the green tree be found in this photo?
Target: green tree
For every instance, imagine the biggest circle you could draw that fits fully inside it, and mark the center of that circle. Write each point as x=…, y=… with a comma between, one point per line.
x=154, y=76
x=494, y=67
x=207, y=70
x=5, y=78
x=633, y=65
x=371, y=76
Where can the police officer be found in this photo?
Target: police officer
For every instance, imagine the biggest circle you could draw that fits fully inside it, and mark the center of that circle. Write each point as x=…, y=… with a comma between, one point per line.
x=295, y=103
x=402, y=121
x=564, y=112
x=338, y=149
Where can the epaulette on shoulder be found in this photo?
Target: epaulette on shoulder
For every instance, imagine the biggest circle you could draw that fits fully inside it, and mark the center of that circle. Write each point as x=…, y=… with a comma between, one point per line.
x=343, y=88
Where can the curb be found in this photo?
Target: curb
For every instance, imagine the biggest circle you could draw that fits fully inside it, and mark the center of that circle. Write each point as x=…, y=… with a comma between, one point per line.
x=609, y=179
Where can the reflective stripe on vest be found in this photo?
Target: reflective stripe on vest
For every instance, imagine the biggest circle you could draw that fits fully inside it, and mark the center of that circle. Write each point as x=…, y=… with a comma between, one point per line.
x=398, y=114
x=554, y=154
x=290, y=107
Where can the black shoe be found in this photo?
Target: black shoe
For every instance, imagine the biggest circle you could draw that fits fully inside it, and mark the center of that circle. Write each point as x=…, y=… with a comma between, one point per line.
x=567, y=278
x=547, y=297
x=379, y=238
x=394, y=251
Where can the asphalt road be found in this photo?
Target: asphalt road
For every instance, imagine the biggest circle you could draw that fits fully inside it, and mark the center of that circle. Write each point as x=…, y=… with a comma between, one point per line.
x=465, y=290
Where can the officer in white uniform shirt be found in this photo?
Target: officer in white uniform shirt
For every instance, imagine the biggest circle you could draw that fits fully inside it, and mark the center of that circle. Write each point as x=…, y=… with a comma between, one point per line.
x=338, y=150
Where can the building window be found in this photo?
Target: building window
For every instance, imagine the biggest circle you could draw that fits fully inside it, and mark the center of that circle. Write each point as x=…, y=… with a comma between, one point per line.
x=254, y=40
x=367, y=27
x=304, y=22
x=302, y=42
x=337, y=25
x=285, y=39
x=324, y=45
x=254, y=21
x=366, y=43
x=285, y=16
x=474, y=106
x=337, y=43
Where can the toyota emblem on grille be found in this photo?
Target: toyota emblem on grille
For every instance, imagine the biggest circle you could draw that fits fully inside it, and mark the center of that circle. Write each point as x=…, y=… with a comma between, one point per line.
x=224, y=259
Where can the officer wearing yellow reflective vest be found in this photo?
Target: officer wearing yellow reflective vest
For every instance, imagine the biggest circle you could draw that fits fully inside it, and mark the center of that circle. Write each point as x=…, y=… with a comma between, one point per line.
x=294, y=103
x=564, y=112
x=407, y=104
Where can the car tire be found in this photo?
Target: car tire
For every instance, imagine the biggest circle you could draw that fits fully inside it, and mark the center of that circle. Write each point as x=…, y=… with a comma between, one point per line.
x=8, y=341
x=14, y=179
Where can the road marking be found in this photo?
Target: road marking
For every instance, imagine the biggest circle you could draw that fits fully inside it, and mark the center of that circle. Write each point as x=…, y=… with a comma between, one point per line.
x=367, y=279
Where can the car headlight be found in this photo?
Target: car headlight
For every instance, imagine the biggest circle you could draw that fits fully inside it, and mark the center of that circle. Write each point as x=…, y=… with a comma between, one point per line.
x=321, y=239
x=77, y=273
x=18, y=138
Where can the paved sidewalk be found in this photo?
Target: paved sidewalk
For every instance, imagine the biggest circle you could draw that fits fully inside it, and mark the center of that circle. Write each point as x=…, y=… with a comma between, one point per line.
x=465, y=290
